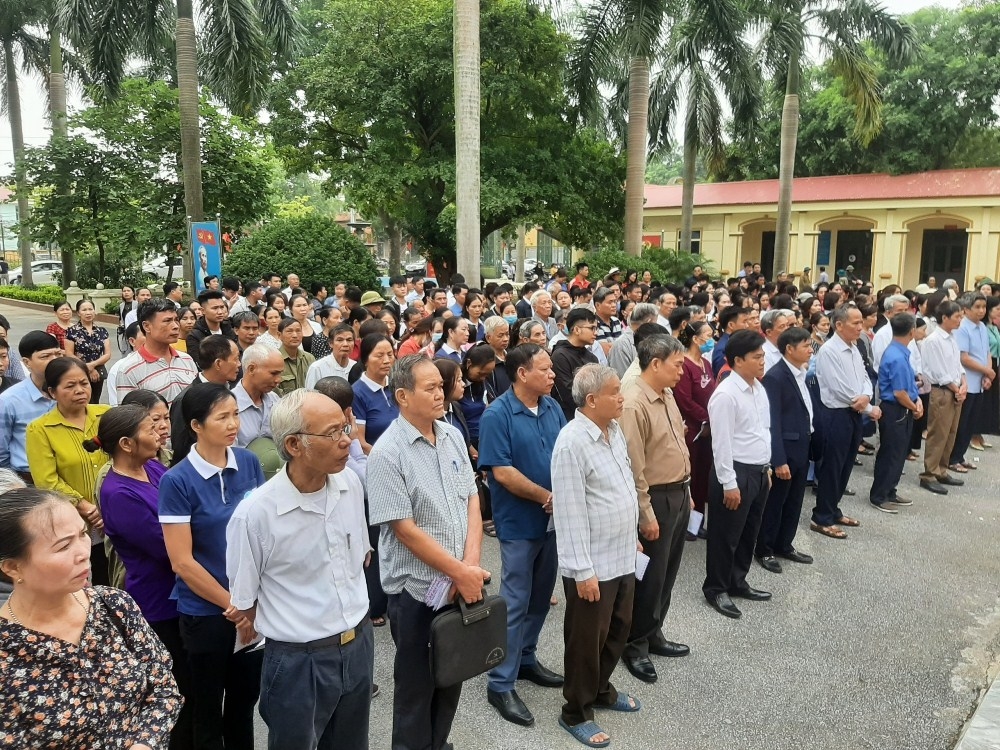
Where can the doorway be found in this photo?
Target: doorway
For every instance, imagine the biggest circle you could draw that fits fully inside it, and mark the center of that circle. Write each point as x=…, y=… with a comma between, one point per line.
x=767, y=254
x=854, y=248
x=943, y=255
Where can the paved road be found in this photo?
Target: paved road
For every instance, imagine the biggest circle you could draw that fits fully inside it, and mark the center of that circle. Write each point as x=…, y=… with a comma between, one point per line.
x=884, y=643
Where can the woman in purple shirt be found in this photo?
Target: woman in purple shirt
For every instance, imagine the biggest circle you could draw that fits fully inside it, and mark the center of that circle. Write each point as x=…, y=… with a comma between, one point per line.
x=129, y=503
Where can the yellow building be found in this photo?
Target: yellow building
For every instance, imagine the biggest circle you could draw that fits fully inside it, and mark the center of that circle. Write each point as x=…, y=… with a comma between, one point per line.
x=892, y=229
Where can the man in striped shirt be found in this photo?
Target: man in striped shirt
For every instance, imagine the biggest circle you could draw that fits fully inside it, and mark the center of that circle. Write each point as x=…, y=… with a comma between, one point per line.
x=156, y=365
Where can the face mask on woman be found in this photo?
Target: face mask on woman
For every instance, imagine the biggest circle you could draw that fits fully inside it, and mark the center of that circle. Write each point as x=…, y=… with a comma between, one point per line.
x=821, y=335
x=707, y=347
x=435, y=337
x=511, y=319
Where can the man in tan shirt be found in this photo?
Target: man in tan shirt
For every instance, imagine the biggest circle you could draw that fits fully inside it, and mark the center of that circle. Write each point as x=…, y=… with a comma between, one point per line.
x=661, y=465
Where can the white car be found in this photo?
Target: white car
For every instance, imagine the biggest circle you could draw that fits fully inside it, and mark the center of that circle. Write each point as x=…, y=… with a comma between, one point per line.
x=157, y=267
x=42, y=272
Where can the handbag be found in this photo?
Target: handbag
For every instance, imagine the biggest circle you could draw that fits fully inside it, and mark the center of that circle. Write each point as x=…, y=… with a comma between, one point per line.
x=468, y=639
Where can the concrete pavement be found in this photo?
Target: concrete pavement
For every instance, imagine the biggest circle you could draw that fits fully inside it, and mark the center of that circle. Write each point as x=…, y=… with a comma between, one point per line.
x=885, y=642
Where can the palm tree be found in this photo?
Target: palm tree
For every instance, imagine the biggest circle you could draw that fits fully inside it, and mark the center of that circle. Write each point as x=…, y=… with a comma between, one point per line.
x=467, y=102
x=615, y=36
x=706, y=55
x=241, y=39
x=25, y=49
x=845, y=31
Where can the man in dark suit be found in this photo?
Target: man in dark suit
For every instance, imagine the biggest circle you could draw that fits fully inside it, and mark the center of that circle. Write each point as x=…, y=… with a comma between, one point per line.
x=791, y=429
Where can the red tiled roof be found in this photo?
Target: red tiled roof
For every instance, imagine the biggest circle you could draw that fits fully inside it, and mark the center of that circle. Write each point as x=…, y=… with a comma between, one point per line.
x=5, y=194
x=946, y=183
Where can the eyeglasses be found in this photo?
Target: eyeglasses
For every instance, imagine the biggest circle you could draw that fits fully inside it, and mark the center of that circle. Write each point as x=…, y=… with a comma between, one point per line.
x=344, y=431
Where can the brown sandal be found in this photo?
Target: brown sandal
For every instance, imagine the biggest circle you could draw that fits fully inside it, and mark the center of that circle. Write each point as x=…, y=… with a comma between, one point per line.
x=958, y=469
x=848, y=521
x=834, y=532
x=970, y=465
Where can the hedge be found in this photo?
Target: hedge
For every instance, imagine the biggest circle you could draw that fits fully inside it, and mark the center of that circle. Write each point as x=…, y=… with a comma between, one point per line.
x=48, y=295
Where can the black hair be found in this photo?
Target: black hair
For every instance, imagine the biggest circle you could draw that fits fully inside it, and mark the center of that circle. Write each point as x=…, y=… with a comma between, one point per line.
x=579, y=315
x=244, y=316
x=479, y=355
x=368, y=344
x=358, y=315
x=646, y=330
x=902, y=323
x=15, y=507
x=339, y=329
x=679, y=318
x=287, y=322
x=4, y=323
x=791, y=336
x=58, y=367
x=210, y=278
x=4, y=344
x=316, y=287
x=687, y=333
x=169, y=287
x=397, y=280
x=338, y=389
x=231, y=283
x=520, y=356
x=60, y=303
x=81, y=302
x=741, y=343
x=197, y=404
x=371, y=326
x=451, y=373
x=116, y=423
x=152, y=307
x=353, y=294
x=449, y=325
x=730, y=314
x=208, y=294
x=36, y=341
x=250, y=287
x=144, y=397
x=212, y=348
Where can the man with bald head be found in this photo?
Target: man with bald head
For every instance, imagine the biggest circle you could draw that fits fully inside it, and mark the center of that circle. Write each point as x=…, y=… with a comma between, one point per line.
x=312, y=609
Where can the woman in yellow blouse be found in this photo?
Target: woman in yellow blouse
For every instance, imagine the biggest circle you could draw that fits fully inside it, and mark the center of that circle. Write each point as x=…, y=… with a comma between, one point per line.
x=55, y=449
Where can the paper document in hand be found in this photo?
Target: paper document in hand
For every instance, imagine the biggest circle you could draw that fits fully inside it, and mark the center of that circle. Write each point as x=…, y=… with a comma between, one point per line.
x=256, y=643
x=437, y=593
x=694, y=524
x=641, y=563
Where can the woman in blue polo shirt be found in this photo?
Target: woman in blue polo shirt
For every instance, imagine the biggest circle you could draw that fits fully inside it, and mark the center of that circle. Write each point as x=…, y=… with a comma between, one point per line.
x=374, y=404
x=197, y=497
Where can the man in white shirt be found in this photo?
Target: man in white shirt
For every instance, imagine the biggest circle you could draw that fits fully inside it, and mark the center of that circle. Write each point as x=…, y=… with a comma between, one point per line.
x=845, y=394
x=338, y=363
x=141, y=295
x=312, y=609
x=740, y=417
x=892, y=305
x=942, y=364
x=773, y=323
x=255, y=396
x=231, y=291
x=293, y=283
x=667, y=303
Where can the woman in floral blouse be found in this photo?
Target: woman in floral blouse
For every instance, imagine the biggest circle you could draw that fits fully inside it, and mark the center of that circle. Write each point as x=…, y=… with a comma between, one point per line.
x=89, y=342
x=79, y=667
x=62, y=323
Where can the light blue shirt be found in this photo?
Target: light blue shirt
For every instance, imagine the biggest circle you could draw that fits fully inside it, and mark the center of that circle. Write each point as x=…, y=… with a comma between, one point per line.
x=20, y=405
x=841, y=374
x=972, y=339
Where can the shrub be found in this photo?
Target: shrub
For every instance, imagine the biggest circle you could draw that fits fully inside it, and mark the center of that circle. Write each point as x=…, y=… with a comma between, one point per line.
x=313, y=246
x=48, y=295
x=666, y=265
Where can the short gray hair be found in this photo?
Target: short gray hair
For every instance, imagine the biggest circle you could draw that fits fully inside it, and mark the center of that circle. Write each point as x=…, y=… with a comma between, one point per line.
x=894, y=299
x=403, y=373
x=969, y=299
x=255, y=354
x=949, y=284
x=643, y=312
x=839, y=314
x=246, y=316
x=591, y=379
x=524, y=331
x=538, y=296
x=288, y=418
x=492, y=323
x=769, y=319
x=660, y=346
x=9, y=480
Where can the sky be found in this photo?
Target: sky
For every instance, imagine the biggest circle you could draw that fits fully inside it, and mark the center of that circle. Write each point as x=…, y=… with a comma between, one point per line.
x=36, y=129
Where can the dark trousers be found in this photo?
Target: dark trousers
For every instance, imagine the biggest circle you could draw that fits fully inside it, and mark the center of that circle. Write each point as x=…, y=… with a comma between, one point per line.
x=225, y=686
x=919, y=425
x=781, y=512
x=422, y=714
x=169, y=631
x=594, y=634
x=672, y=508
x=317, y=696
x=895, y=427
x=99, y=574
x=734, y=532
x=966, y=427
x=529, y=568
x=377, y=600
x=840, y=435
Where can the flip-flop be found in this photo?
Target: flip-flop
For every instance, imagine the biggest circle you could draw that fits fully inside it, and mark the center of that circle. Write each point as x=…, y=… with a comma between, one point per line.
x=622, y=703
x=378, y=622
x=833, y=532
x=848, y=521
x=584, y=731
x=958, y=469
x=970, y=465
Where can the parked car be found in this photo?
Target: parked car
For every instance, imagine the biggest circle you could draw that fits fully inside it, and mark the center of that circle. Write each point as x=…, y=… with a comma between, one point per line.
x=42, y=272
x=157, y=266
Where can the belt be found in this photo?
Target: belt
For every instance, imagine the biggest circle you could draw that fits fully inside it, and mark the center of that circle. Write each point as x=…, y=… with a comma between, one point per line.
x=340, y=639
x=941, y=385
x=762, y=468
x=671, y=485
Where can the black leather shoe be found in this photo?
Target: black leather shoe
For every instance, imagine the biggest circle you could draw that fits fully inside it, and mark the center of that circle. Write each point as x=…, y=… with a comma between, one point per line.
x=511, y=707
x=669, y=648
x=754, y=595
x=539, y=675
x=769, y=563
x=797, y=557
x=950, y=480
x=724, y=606
x=641, y=668
x=932, y=486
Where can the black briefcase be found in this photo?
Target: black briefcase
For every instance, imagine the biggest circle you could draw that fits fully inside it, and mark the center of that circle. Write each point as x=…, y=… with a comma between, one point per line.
x=468, y=639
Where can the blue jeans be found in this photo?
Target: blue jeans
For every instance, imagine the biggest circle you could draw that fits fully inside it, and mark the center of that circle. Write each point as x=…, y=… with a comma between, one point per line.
x=318, y=695
x=528, y=575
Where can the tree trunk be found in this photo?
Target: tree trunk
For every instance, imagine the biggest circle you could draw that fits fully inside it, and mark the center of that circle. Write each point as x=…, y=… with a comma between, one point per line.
x=687, y=192
x=395, y=233
x=187, y=95
x=57, y=112
x=786, y=168
x=468, y=243
x=635, y=170
x=17, y=140
x=519, y=253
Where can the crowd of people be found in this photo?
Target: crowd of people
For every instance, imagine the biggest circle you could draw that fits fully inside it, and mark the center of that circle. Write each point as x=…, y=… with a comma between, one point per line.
x=277, y=472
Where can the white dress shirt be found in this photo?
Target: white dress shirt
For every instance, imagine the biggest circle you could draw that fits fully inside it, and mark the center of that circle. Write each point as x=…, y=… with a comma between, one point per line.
x=841, y=374
x=325, y=367
x=661, y=321
x=740, y=416
x=771, y=355
x=131, y=317
x=300, y=558
x=800, y=381
x=239, y=305
x=941, y=359
x=883, y=337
